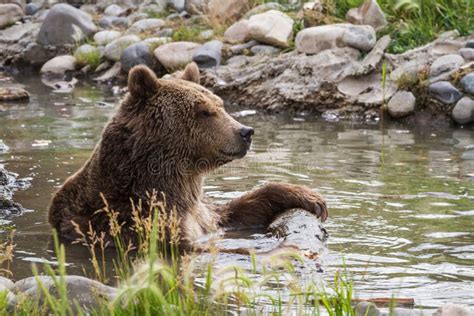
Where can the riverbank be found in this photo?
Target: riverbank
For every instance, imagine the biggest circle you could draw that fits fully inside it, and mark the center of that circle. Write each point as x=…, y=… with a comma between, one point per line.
x=273, y=57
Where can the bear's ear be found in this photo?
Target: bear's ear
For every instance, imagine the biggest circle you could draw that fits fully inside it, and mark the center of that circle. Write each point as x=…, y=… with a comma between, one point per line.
x=142, y=82
x=191, y=73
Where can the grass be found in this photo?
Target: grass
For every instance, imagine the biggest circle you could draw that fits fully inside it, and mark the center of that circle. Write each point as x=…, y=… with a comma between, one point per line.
x=155, y=279
x=413, y=23
x=91, y=58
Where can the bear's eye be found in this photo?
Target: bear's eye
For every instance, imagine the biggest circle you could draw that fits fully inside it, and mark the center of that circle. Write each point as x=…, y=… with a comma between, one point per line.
x=204, y=114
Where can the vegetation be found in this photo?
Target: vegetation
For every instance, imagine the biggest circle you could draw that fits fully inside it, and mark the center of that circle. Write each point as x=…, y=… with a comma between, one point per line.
x=155, y=280
x=91, y=57
x=413, y=23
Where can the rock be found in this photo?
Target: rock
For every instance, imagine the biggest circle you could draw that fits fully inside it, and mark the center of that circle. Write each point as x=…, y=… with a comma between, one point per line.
x=446, y=63
x=206, y=34
x=369, y=13
x=13, y=94
x=114, y=49
x=318, y=38
x=197, y=6
x=106, y=21
x=444, y=92
x=59, y=65
x=113, y=10
x=84, y=53
x=175, y=55
x=109, y=74
x=105, y=37
x=137, y=16
x=453, y=310
x=239, y=49
x=373, y=59
x=264, y=49
x=367, y=309
x=178, y=5
x=85, y=49
x=37, y=54
x=7, y=283
x=401, y=104
x=238, y=32
x=120, y=22
x=467, y=53
x=9, y=14
x=136, y=54
x=65, y=24
x=31, y=8
x=10, y=297
x=209, y=54
x=468, y=83
x=154, y=42
x=227, y=11
x=166, y=32
x=463, y=112
x=263, y=8
x=316, y=13
x=272, y=27
x=367, y=89
x=86, y=293
x=470, y=44
x=9, y=183
x=146, y=25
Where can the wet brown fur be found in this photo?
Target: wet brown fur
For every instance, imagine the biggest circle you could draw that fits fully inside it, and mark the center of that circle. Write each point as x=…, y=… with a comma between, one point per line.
x=165, y=136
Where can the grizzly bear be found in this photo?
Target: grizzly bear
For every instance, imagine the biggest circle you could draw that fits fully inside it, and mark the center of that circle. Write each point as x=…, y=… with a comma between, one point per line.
x=166, y=135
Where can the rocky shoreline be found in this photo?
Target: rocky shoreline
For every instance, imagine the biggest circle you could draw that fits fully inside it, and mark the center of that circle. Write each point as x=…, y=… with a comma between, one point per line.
x=262, y=60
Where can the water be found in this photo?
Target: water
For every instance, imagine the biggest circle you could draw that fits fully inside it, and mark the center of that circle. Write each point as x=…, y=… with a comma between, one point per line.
x=401, y=199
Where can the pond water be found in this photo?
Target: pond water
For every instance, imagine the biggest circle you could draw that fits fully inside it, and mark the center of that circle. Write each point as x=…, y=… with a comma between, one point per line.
x=401, y=199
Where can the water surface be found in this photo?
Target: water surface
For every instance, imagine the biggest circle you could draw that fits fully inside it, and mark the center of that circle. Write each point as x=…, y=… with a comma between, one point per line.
x=401, y=199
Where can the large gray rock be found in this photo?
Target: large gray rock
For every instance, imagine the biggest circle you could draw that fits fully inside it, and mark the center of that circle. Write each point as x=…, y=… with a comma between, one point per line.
x=238, y=32
x=463, y=112
x=467, y=53
x=137, y=54
x=468, y=83
x=31, y=8
x=271, y=27
x=114, y=49
x=9, y=14
x=444, y=92
x=445, y=64
x=318, y=38
x=369, y=13
x=65, y=24
x=86, y=293
x=209, y=54
x=175, y=55
x=105, y=37
x=146, y=25
x=401, y=104
x=59, y=65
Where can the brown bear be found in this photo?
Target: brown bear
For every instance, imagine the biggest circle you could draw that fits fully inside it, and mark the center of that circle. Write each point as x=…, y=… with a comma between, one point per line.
x=165, y=136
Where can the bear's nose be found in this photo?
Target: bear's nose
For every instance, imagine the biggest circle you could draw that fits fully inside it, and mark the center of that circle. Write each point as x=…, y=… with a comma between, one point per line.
x=246, y=132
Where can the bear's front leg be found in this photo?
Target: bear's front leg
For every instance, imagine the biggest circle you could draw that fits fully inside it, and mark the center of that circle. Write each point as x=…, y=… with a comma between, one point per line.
x=260, y=206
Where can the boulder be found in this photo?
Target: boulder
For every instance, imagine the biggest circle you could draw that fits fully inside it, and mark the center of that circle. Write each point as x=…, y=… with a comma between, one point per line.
x=13, y=94
x=445, y=64
x=109, y=74
x=59, y=65
x=178, y=5
x=154, y=42
x=105, y=37
x=451, y=309
x=137, y=54
x=467, y=83
x=401, y=104
x=120, y=22
x=467, y=53
x=209, y=54
x=146, y=25
x=444, y=92
x=263, y=8
x=318, y=38
x=7, y=283
x=113, y=10
x=238, y=32
x=369, y=13
x=31, y=8
x=9, y=14
x=37, y=54
x=86, y=293
x=463, y=112
x=114, y=49
x=272, y=27
x=175, y=55
x=227, y=11
x=239, y=49
x=65, y=24
x=470, y=44
x=264, y=50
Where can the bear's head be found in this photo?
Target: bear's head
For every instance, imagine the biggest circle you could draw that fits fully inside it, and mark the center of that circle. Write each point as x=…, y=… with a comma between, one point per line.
x=182, y=120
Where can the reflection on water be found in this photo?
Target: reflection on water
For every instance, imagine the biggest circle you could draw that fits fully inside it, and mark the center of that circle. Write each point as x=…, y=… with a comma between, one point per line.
x=401, y=199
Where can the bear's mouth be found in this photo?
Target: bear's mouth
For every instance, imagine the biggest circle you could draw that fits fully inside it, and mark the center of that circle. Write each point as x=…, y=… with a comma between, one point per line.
x=234, y=154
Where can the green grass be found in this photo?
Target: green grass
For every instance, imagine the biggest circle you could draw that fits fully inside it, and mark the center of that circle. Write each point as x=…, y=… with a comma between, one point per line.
x=91, y=58
x=154, y=279
x=413, y=23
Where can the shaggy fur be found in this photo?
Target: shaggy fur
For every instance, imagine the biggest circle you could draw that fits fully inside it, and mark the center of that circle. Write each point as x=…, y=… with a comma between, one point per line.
x=165, y=136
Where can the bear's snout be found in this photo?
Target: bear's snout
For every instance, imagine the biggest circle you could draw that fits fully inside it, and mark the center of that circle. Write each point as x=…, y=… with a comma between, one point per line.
x=246, y=133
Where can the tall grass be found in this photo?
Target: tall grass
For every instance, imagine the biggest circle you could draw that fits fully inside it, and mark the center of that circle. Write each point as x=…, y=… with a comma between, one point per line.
x=154, y=278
